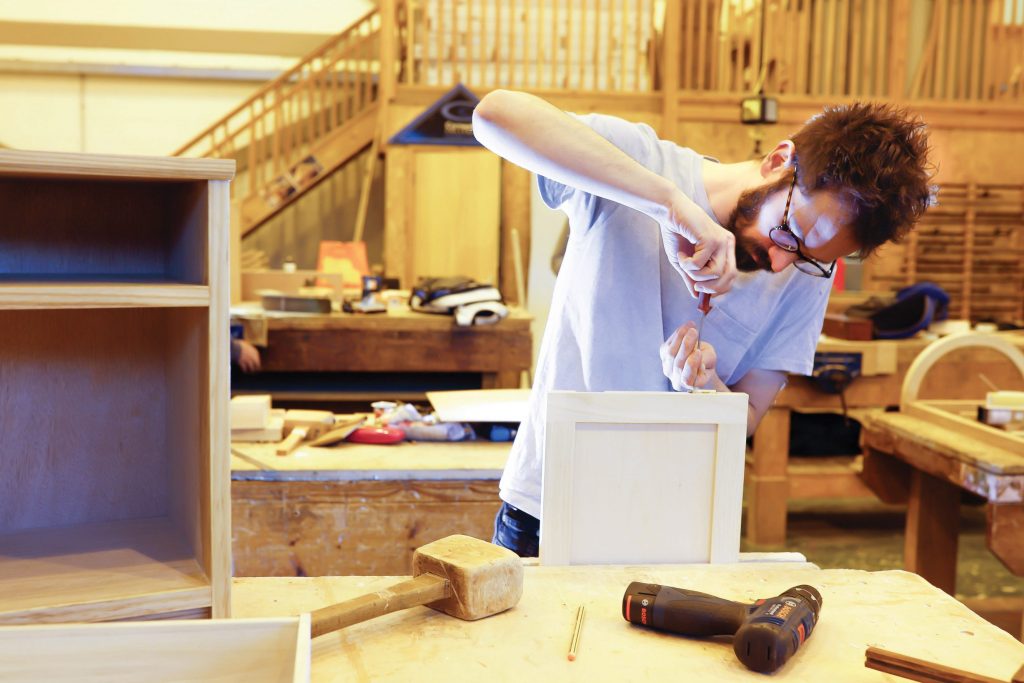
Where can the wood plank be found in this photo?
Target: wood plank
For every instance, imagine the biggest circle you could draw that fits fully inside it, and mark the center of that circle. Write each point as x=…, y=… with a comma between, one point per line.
x=74, y=165
x=230, y=651
x=90, y=295
x=208, y=472
x=968, y=427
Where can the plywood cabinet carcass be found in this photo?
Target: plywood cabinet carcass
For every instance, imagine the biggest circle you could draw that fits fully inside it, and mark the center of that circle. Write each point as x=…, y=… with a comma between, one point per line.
x=113, y=387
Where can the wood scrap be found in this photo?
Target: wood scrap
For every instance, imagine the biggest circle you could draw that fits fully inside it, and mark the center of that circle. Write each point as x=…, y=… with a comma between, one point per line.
x=343, y=428
x=919, y=670
x=300, y=425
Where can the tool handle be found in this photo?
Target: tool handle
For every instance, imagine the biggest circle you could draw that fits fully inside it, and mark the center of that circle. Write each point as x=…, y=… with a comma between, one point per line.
x=704, y=302
x=678, y=610
x=291, y=441
x=421, y=590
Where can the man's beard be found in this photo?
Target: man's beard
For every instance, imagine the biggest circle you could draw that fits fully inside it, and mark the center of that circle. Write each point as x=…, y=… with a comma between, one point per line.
x=751, y=255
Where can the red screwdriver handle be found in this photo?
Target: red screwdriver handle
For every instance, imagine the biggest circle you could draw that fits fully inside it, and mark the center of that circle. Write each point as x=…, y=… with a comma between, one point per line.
x=704, y=302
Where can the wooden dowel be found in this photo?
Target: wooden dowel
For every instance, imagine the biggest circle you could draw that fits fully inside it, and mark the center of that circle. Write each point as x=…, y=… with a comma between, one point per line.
x=882, y=47
x=638, y=57
x=927, y=57
x=498, y=54
x=842, y=84
x=977, y=36
x=918, y=669
x=871, y=36
x=581, y=45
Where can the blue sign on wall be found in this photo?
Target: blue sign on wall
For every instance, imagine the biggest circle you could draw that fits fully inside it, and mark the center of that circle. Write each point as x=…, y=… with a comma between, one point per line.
x=449, y=121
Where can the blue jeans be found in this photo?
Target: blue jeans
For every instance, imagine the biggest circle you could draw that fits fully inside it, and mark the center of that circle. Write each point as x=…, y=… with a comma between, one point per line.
x=516, y=530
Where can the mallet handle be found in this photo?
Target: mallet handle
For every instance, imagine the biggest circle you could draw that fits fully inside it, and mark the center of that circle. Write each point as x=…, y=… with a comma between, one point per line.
x=421, y=590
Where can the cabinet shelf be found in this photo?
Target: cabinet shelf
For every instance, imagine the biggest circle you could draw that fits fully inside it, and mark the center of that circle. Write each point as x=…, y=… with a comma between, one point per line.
x=99, y=572
x=31, y=295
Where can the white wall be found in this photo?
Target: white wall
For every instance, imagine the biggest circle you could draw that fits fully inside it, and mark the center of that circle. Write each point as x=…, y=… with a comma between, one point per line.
x=316, y=16
x=124, y=114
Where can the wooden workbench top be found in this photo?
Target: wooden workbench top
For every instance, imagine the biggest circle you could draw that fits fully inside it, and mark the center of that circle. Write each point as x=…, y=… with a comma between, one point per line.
x=457, y=460
x=894, y=610
x=943, y=442
x=393, y=319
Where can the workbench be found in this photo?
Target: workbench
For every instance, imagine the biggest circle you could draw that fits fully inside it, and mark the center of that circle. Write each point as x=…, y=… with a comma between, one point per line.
x=894, y=610
x=397, y=345
x=773, y=477
x=908, y=459
x=357, y=508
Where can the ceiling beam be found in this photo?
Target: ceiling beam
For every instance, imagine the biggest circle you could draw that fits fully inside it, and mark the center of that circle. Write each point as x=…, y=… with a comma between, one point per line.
x=52, y=34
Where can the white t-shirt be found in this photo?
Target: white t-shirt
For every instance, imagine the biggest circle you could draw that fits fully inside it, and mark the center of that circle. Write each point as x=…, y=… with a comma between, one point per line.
x=617, y=299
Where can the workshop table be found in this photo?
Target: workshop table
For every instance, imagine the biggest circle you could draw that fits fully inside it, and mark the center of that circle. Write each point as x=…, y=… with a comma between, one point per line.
x=357, y=508
x=894, y=610
x=399, y=341
x=911, y=460
x=773, y=477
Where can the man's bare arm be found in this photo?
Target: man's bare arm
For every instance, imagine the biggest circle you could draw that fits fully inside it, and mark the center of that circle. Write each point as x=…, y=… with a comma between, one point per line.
x=536, y=135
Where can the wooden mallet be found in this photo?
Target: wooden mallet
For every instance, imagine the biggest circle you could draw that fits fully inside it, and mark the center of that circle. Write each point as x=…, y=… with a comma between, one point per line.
x=458, y=575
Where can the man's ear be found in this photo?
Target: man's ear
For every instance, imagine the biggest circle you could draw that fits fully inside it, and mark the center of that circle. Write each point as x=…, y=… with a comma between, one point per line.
x=778, y=159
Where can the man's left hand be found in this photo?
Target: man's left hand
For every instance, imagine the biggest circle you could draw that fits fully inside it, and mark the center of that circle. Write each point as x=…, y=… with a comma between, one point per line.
x=686, y=366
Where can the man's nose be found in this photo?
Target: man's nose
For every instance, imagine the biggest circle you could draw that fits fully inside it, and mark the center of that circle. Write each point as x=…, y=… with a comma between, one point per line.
x=780, y=258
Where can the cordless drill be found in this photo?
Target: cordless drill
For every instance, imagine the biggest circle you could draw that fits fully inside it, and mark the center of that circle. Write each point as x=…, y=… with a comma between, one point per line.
x=767, y=633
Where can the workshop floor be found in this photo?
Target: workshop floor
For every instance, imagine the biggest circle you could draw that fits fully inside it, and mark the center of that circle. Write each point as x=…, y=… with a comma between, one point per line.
x=867, y=534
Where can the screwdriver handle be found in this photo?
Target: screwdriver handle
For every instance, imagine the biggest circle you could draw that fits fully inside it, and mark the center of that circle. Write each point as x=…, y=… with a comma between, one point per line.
x=704, y=302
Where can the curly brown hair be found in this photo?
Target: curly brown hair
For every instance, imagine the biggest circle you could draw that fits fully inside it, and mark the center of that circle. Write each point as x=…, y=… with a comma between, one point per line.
x=876, y=155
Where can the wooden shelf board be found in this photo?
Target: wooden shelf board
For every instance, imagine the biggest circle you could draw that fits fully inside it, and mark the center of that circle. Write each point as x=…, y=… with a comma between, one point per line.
x=98, y=572
x=75, y=165
x=33, y=295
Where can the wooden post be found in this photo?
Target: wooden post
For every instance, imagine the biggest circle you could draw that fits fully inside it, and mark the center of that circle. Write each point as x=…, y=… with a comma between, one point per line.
x=769, y=483
x=387, y=87
x=515, y=215
x=933, y=525
x=899, y=33
x=670, y=60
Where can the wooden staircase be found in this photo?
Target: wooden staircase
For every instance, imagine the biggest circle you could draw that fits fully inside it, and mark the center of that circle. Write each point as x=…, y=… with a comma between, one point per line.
x=299, y=128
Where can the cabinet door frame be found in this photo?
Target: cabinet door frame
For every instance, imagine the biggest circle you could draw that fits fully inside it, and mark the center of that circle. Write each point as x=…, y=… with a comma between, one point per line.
x=599, y=505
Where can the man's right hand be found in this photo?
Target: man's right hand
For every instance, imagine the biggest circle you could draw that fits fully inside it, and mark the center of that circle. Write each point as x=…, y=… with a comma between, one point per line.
x=701, y=251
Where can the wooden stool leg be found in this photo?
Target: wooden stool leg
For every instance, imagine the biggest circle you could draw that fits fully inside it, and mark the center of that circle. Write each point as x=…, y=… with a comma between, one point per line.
x=933, y=526
x=769, y=486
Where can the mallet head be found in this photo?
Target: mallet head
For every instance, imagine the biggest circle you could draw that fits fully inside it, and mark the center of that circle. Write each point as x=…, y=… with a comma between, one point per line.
x=485, y=578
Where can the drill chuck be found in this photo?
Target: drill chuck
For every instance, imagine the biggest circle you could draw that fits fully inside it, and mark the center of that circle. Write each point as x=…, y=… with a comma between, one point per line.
x=766, y=633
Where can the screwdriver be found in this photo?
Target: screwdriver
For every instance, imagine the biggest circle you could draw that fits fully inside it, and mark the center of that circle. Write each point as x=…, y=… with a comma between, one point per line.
x=704, y=306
